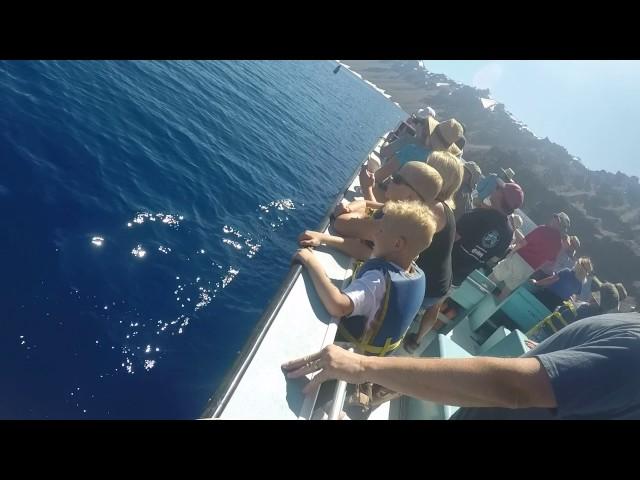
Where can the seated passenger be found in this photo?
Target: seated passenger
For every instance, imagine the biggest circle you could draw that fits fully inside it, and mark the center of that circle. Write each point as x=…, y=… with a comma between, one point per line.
x=571, y=311
x=563, y=284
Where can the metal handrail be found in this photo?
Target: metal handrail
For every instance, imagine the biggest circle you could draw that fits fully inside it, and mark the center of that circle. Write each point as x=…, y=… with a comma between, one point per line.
x=338, y=398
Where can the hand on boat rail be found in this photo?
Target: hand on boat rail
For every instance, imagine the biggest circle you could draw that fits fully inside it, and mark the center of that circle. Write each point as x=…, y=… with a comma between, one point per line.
x=367, y=179
x=332, y=362
x=309, y=238
x=302, y=256
x=341, y=209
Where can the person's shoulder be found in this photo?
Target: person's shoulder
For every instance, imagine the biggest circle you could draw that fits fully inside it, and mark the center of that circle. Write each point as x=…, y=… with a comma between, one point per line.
x=375, y=263
x=540, y=230
x=612, y=324
x=380, y=265
x=592, y=329
x=372, y=273
x=485, y=217
x=497, y=217
x=548, y=231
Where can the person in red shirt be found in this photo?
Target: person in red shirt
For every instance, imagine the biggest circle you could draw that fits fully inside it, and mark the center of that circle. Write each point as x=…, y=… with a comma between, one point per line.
x=540, y=247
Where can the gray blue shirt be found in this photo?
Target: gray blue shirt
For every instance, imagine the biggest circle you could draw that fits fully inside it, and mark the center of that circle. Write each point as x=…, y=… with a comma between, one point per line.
x=412, y=153
x=594, y=369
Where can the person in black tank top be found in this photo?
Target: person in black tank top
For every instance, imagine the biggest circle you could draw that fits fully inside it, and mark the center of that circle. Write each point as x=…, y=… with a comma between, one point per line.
x=435, y=262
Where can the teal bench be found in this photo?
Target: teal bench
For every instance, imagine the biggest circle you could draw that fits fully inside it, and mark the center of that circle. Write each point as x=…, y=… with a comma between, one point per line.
x=472, y=290
x=496, y=337
x=510, y=346
x=524, y=309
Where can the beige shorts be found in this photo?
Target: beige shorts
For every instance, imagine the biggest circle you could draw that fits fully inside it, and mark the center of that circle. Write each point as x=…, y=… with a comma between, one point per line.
x=513, y=271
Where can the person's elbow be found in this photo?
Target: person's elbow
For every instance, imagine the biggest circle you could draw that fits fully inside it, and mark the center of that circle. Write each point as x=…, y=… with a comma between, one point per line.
x=524, y=398
x=338, y=310
x=340, y=306
x=517, y=399
x=528, y=387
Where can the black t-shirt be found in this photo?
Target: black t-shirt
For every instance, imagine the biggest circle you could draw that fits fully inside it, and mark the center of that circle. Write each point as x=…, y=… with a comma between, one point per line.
x=435, y=261
x=485, y=233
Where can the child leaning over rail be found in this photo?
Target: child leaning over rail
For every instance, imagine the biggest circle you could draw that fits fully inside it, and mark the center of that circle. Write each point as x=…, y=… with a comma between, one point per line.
x=434, y=184
x=377, y=308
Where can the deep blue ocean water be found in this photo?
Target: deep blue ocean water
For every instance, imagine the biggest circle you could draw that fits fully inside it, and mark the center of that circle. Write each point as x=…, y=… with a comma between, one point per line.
x=149, y=213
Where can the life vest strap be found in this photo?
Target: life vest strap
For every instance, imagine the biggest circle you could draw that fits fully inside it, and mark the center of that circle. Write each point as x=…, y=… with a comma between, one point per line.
x=549, y=320
x=366, y=348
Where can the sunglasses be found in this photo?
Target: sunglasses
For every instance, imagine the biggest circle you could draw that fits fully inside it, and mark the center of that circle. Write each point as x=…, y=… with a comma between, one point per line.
x=398, y=180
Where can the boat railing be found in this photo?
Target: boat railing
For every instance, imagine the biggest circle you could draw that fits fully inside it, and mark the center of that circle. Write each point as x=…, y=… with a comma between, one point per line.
x=308, y=406
x=338, y=398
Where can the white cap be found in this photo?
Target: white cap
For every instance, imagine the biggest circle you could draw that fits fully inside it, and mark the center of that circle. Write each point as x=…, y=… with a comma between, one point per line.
x=426, y=112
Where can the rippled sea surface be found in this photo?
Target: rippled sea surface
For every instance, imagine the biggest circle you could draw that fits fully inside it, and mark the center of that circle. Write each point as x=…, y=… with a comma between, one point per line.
x=149, y=212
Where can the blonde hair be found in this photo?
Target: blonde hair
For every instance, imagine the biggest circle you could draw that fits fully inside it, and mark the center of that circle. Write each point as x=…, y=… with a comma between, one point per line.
x=585, y=263
x=413, y=221
x=450, y=169
x=423, y=180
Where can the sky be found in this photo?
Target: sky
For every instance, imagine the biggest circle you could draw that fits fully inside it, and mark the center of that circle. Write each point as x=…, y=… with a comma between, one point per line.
x=590, y=107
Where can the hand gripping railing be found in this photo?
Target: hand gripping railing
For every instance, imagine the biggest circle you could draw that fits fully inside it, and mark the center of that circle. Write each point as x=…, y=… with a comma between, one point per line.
x=338, y=398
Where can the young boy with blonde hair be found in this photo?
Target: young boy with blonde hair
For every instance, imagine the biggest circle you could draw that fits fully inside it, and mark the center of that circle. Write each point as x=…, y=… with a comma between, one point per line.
x=379, y=305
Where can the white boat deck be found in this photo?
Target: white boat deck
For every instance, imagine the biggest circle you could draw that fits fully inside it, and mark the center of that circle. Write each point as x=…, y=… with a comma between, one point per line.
x=302, y=326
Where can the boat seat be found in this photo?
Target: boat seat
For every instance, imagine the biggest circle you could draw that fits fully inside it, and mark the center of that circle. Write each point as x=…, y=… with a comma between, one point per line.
x=472, y=290
x=463, y=336
x=510, y=346
x=483, y=311
x=524, y=309
x=495, y=338
x=382, y=412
